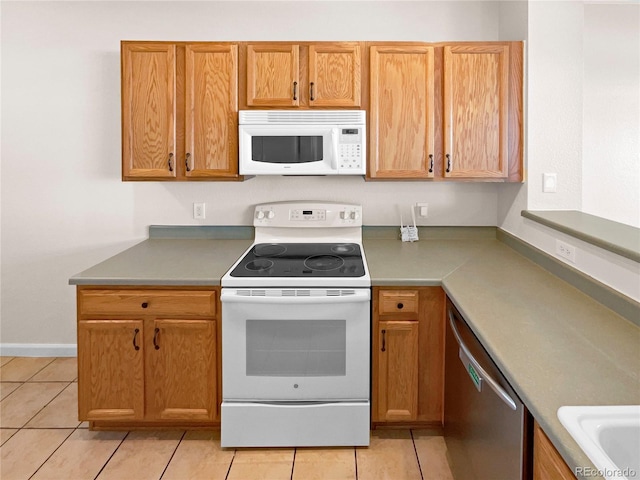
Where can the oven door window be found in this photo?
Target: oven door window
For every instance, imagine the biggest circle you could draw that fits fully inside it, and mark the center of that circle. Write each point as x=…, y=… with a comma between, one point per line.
x=287, y=149
x=296, y=348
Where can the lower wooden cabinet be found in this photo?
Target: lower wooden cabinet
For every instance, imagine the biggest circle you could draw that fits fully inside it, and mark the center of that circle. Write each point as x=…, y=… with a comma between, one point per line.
x=408, y=355
x=547, y=462
x=141, y=362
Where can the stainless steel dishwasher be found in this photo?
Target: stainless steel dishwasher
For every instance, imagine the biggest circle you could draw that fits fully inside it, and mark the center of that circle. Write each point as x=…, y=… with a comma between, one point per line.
x=487, y=428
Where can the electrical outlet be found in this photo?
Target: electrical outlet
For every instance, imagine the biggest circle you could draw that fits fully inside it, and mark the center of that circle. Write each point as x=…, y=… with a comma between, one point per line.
x=566, y=251
x=422, y=209
x=549, y=182
x=198, y=211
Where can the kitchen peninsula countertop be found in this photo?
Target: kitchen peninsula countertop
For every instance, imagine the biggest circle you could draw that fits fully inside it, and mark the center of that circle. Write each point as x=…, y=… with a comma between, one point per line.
x=556, y=345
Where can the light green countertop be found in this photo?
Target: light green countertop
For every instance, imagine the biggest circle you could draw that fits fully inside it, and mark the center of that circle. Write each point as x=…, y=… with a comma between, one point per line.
x=556, y=345
x=165, y=261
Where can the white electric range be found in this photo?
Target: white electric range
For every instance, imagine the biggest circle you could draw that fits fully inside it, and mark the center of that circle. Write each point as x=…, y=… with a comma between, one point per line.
x=296, y=322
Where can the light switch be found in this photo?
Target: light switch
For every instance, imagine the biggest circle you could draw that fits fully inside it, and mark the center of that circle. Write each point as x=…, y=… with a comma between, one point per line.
x=549, y=182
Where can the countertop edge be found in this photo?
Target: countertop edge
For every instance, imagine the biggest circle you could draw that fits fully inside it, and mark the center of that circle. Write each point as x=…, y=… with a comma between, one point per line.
x=575, y=226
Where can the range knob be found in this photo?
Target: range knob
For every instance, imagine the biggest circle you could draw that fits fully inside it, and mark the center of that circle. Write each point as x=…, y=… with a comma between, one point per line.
x=344, y=215
x=259, y=214
x=355, y=215
x=271, y=214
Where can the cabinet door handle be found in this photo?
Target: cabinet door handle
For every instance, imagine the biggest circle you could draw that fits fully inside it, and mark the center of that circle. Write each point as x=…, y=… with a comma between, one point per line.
x=135, y=337
x=295, y=90
x=384, y=333
x=186, y=163
x=400, y=306
x=155, y=338
x=170, y=162
x=430, y=163
x=448, y=163
x=311, y=97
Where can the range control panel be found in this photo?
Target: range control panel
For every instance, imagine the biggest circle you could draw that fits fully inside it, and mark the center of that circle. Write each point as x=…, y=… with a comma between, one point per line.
x=305, y=215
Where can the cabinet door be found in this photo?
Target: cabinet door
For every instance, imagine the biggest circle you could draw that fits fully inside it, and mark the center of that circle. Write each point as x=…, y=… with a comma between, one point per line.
x=181, y=369
x=398, y=370
x=273, y=75
x=148, y=110
x=211, y=116
x=334, y=75
x=402, y=112
x=547, y=462
x=476, y=89
x=110, y=370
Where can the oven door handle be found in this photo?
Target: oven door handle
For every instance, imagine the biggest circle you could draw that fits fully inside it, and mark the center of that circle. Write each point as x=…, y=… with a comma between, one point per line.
x=356, y=297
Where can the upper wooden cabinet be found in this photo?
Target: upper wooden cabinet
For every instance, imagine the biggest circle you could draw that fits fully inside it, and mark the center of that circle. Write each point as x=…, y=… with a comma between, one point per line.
x=302, y=75
x=401, y=113
x=446, y=111
x=148, y=110
x=476, y=102
x=179, y=111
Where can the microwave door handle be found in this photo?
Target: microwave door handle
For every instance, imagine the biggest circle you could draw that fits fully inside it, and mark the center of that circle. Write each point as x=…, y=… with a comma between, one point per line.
x=334, y=142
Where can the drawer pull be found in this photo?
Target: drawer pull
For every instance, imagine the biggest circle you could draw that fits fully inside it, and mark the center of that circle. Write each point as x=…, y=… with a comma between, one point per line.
x=384, y=332
x=135, y=337
x=155, y=339
x=144, y=304
x=400, y=306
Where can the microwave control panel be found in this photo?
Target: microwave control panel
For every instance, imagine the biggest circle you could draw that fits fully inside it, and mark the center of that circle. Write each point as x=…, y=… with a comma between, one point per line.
x=350, y=148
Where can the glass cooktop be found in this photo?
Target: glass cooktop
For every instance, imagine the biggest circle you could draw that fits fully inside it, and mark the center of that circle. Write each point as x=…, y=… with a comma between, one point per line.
x=301, y=260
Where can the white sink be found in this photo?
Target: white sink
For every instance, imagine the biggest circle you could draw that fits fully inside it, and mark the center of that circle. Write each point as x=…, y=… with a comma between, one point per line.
x=609, y=435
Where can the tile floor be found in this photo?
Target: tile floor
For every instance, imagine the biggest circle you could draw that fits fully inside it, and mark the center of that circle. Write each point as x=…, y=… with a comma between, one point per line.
x=41, y=438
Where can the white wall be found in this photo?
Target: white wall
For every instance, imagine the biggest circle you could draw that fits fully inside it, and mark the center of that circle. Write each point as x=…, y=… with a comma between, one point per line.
x=611, y=129
x=557, y=109
x=64, y=207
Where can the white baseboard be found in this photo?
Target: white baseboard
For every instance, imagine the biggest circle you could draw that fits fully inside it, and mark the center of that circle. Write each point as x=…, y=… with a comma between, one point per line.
x=38, y=350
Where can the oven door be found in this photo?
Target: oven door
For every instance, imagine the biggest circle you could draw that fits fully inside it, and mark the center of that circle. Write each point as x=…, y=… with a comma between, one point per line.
x=295, y=345
x=288, y=149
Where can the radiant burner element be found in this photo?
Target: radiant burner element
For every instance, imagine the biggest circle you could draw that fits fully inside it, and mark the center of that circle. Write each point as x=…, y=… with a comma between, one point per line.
x=269, y=250
x=324, y=262
x=259, y=264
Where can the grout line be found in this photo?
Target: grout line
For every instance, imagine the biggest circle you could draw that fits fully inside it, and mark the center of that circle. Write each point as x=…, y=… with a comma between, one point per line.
x=415, y=450
x=53, y=360
x=293, y=463
x=172, y=455
x=54, y=451
x=111, y=456
x=45, y=406
x=355, y=459
x=230, y=464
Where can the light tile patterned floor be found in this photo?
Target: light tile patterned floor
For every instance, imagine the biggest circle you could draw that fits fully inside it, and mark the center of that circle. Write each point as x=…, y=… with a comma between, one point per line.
x=42, y=439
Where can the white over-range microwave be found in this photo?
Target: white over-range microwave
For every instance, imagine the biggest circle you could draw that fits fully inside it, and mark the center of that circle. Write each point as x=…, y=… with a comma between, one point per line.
x=302, y=142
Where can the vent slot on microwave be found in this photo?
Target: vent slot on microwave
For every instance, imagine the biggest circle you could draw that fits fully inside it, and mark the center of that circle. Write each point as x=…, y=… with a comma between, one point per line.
x=283, y=117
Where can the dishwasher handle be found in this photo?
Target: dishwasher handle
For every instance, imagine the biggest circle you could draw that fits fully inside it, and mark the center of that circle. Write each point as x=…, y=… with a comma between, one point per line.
x=481, y=372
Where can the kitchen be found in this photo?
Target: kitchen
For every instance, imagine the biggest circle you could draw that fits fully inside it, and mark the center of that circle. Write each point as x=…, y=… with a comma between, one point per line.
x=81, y=221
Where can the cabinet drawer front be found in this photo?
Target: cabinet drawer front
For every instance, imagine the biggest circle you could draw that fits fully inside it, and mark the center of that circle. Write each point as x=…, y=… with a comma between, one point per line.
x=146, y=302
x=398, y=301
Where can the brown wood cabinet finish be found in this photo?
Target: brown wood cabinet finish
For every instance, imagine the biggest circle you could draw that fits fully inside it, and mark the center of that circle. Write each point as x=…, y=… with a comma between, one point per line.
x=401, y=125
x=148, y=356
x=547, y=462
x=148, y=110
x=179, y=111
x=110, y=370
x=408, y=376
x=476, y=101
x=301, y=75
x=446, y=111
